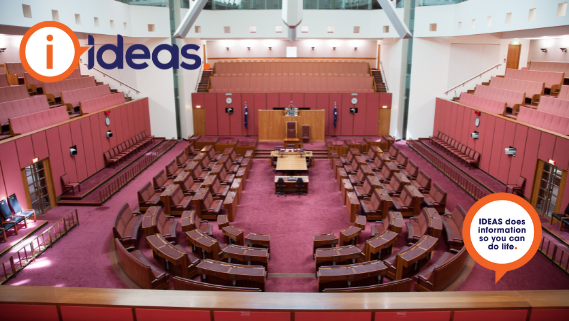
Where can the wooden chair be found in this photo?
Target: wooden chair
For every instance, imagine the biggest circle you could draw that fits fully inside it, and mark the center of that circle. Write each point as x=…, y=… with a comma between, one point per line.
x=67, y=185
x=518, y=188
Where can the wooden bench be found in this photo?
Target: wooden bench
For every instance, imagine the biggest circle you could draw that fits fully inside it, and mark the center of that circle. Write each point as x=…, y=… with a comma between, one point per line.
x=403, y=285
x=191, y=285
x=444, y=272
x=143, y=273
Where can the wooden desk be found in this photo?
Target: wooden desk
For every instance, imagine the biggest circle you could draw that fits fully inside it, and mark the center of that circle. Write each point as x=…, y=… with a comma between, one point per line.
x=248, y=255
x=419, y=253
x=349, y=234
x=352, y=205
x=166, y=199
x=392, y=167
x=337, y=255
x=434, y=222
x=355, y=151
x=197, y=201
x=222, y=221
x=191, y=221
x=417, y=200
x=395, y=221
x=290, y=186
x=361, y=221
x=340, y=175
x=209, y=247
x=291, y=164
x=179, y=180
x=258, y=240
x=222, y=273
x=295, y=141
x=386, y=202
x=403, y=178
x=377, y=245
x=237, y=187
x=230, y=205
x=208, y=181
x=324, y=241
x=361, y=160
x=163, y=251
x=367, y=170
x=359, y=274
x=231, y=234
x=346, y=188
x=242, y=173
x=215, y=169
x=285, y=154
x=149, y=220
x=272, y=124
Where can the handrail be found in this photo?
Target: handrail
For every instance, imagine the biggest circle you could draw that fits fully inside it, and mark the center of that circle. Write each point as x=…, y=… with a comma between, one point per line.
x=130, y=173
x=383, y=75
x=119, y=81
x=28, y=253
x=200, y=76
x=559, y=255
x=471, y=78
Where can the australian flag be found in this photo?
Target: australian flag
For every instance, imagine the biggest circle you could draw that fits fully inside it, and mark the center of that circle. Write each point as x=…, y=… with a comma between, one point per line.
x=335, y=114
x=246, y=116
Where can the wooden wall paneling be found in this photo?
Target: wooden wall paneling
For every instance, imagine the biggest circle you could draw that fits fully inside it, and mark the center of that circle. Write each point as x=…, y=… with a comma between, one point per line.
x=25, y=151
x=323, y=103
x=546, y=147
x=77, y=140
x=285, y=99
x=103, y=128
x=50, y=183
x=360, y=117
x=199, y=121
x=469, y=128
x=561, y=153
x=40, y=145
x=117, y=119
x=146, y=114
x=516, y=164
x=505, y=161
x=272, y=124
x=260, y=104
x=372, y=120
x=453, y=116
x=248, y=98
x=334, y=99
x=198, y=100
x=310, y=100
x=97, y=144
x=438, y=114
x=530, y=159
x=347, y=126
x=11, y=170
x=85, y=126
x=3, y=193
x=481, y=129
x=497, y=150
x=486, y=154
x=384, y=122
x=55, y=158
x=459, y=125
x=210, y=106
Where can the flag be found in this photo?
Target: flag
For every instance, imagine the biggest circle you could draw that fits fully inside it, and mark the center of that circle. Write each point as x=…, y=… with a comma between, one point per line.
x=335, y=114
x=246, y=116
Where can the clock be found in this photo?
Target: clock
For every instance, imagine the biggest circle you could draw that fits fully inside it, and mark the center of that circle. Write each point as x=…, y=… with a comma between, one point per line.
x=108, y=121
x=477, y=122
x=354, y=101
x=228, y=100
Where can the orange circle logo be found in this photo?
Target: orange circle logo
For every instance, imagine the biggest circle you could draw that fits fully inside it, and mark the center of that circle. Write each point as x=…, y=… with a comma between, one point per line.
x=501, y=232
x=50, y=51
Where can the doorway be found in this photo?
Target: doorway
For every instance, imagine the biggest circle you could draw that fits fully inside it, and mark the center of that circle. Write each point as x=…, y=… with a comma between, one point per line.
x=549, y=192
x=513, y=60
x=38, y=187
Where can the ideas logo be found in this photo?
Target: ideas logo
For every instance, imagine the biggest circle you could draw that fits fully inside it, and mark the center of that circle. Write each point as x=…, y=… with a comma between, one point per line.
x=50, y=51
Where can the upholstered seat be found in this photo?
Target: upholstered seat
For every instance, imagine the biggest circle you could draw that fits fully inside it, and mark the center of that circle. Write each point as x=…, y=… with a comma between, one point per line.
x=404, y=202
x=148, y=197
x=411, y=170
x=127, y=225
x=385, y=174
x=395, y=185
x=225, y=178
x=178, y=201
x=357, y=179
x=391, y=262
x=436, y=198
x=235, y=160
x=377, y=164
x=352, y=169
x=166, y=225
x=364, y=191
x=305, y=133
x=182, y=160
x=452, y=224
x=17, y=208
x=393, y=152
x=189, y=186
x=219, y=191
x=417, y=227
x=210, y=208
x=401, y=160
x=161, y=181
x=422, y=182
x=172, y=170
x=374, y=207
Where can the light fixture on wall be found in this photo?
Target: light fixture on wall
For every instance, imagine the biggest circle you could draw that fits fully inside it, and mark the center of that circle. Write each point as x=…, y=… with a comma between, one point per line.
x=73, y=150
x=563, y=49
x=35, y=160
x=544, y=49
x=2, y=49
x=312, y=48
x=552, y=162
x=198, y=106
x=226, y=48
x=248, y=48
x=109, y=134
x=270, y=48
x=474, y=135
x=355, y=48
x=511, y=151
x=333, y=48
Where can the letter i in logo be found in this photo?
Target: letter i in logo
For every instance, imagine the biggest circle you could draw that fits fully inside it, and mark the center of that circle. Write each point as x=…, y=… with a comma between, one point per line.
x=49, y=53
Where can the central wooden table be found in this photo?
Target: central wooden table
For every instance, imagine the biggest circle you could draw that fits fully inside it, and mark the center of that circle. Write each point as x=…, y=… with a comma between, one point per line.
x=291, y=164
x=324, y=241
x=337, y=255
x=258, y=240
x=246, y=254
x=376, y=245
x=290, y=186
x=198, y=240
x=359, y=274
x=420, y=253
x=163, y=251
x=222, y=273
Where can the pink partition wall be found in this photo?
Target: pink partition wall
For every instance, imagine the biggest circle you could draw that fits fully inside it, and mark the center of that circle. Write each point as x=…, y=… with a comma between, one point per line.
x=17, y=312
x=40, y=145
x=310, y=101
x=459, y=125
x=548, y=315
x=77, y=140
x=25, y=151
x=481, y=129
x=11, y=171
x=65, y=143
x=250, y=316
x=488, y=142
x=348, y=120
x=546, y=146
x=97, y=144
x=298, y=100
x=69, y=313
x=334, y=99
x=88, y=146
x=372, y=114
x=332, y=316
x=236, y=119
x=491, y=315
x=249, y=98
x=116, y=121
x=210, y=105
x=505, y=160
x=55, y=157
x=413, y=316
x=517, y=162
x=273, y=101
x=530, y=159
x=162, y=314
x=323, y=102
x=285, y=99
x=222, y=116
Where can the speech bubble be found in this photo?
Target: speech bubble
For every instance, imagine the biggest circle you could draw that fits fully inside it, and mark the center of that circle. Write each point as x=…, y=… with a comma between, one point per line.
x=491, y=217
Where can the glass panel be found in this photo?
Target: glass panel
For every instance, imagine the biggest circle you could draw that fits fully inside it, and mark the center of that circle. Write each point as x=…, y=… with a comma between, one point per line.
x=153, y=3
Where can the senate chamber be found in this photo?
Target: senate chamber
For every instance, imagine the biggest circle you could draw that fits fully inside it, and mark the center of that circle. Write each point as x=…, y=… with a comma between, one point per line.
x=284, y=160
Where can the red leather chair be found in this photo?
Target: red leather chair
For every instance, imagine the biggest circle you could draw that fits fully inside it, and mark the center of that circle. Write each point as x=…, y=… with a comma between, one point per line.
x=364, y=191
x=218, y=191
x=411, y=170
x=67, y=185
x=352, y=169
x=182, y=159
x=374, y=208
x=165, y=224
x=417, y=227
x=401, y=160
x=452, y=224
x=422, y=182
x=385, y=174
x=189, y=186
x=179, y=202
x=437, y=198
x=225, y=178
x=127, y=225
x=377, y=164
x=395, y=185
x=404, y=202
x=518, y=188
x=161, y=181
x=172, y=170
x=357, y=179
x=148, y=197
x=393, y=152
x=210, y=207
x=198, y=174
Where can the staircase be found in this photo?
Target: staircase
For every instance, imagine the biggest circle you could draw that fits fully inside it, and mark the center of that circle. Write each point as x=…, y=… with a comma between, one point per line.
x=379, y=84
x=202, y=88
x=114, y=91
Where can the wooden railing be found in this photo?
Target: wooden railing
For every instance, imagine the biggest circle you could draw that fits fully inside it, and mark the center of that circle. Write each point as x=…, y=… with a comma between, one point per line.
x=130, y=173
x=472, y=78
x=28, y=253
x=557, y=253
x=450, y=170
x=383, y=76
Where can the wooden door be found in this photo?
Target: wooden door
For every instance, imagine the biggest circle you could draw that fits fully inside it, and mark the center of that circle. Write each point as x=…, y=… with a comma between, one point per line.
x=513, y=60
x=384, y=121
x=199, y=121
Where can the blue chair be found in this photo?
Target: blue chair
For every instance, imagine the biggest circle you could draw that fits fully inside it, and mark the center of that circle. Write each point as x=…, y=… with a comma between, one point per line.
x=15, y=205
x=563, y=218
x=9, y=219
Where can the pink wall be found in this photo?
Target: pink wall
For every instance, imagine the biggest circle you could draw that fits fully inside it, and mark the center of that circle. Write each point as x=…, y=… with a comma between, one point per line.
x=365, y=122
x=89, y=134
x=498, y=133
